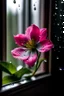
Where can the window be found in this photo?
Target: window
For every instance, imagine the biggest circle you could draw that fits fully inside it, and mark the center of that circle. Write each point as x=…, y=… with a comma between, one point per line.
x=19, y=15
x=58, y=36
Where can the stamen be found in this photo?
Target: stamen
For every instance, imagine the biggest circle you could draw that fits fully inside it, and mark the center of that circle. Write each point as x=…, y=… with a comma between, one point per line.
x=30, y=44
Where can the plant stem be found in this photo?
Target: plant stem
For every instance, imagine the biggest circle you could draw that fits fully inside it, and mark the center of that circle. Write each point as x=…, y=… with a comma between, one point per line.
x=36, y=67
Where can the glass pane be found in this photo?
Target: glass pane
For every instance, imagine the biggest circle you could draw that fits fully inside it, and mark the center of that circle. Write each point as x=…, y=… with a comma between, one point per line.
x=19, y=15
x=14, y=25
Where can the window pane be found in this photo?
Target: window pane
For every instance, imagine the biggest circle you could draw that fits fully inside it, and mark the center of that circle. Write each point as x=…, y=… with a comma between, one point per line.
x=19, y=15
x=14, y=25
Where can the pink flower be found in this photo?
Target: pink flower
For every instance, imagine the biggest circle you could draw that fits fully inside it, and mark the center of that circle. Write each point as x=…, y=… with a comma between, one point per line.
x=33, y=40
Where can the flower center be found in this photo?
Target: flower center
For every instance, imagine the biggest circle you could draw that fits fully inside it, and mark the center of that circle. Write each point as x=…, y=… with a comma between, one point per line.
x=30, y=44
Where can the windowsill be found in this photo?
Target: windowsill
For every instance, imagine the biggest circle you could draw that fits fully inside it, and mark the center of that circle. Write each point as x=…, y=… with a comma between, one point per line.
x=22, y=85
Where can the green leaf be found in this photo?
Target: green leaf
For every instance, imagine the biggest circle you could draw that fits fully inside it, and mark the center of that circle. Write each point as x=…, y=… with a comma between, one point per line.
x=7, y=67
x=22, y=72
x=8, y=79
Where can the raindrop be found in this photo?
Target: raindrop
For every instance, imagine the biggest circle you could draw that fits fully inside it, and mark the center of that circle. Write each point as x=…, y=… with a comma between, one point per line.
x=60, y=9
x=56, y=7
x=55, y=13
x=57, y=38
x=34, y=8
x=45, y=60
x=34, y=4
x=55, y=4
x=60, y=69
x=58, y=24
x=63, y=31
x=57, y=57
x=14, y=1
x=62, y=23
x=19, y=67
x=60, y=15
x=61, y=1
x=59, y=46
x=18, y=5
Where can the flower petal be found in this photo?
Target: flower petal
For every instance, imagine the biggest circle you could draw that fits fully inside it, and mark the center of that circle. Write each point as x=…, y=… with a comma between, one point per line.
x=43, y=34
x=28, y=31
x=31, y=60
x=33, y=32
x=20, y=53
x=45, y=46
x=20, y=39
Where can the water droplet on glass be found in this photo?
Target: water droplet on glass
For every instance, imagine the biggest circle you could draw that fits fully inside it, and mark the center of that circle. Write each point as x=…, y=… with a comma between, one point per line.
x=60, y=69
x=61, y=1
x=19, y=67
x=57, y=38
x=59, y=46
x=45, y=60
x=18, y=5
x=55, y=4
x=10, y=62
x=60, y=15
x=63, y=31
x=58, y=24
x=55, y=13
x=34, y=4
x=34, y=8
x=14, y=1
x=57, y=57
x=60, y=9
x=56, y=7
